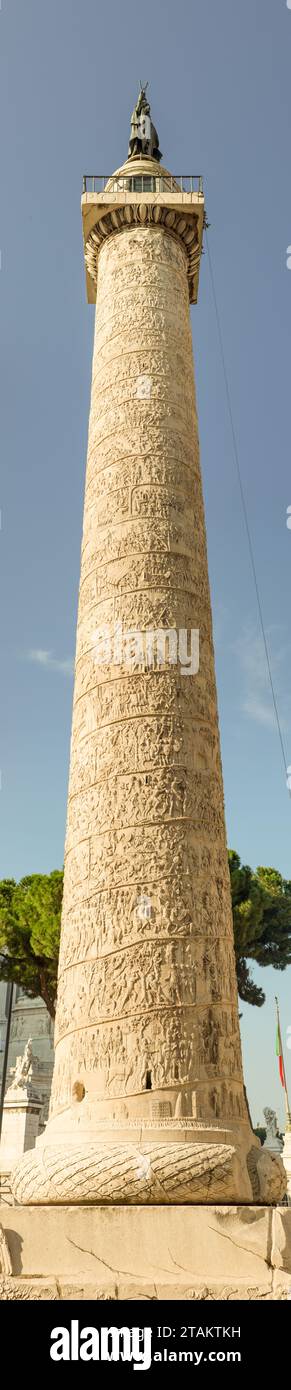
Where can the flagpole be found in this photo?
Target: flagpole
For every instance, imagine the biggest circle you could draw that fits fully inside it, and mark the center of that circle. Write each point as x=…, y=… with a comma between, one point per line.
x=288, y=1113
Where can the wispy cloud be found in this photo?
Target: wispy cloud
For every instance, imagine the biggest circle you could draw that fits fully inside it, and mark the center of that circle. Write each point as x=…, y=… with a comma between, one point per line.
x=262, y=712
x=51, y=662
x=257, y=702
x=220, y=618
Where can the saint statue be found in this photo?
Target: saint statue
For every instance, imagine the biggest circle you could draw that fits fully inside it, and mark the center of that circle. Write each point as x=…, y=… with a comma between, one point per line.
x=272, y=1140
x=23, y=1068
x=143, y=135
x=271, y=1123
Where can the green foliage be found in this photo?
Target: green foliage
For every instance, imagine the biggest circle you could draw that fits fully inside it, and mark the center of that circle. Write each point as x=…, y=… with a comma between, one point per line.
x=261, y=1134
x=30, y=917
x=261, y=906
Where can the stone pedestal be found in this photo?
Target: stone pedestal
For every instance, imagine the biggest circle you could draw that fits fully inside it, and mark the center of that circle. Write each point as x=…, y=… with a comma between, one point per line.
x=29, y=1018
x=286, y=1157
x=20, y=1126
x=98, y=1253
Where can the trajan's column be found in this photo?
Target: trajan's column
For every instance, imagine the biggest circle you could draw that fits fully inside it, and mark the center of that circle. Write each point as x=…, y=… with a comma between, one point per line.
x=148, y=1102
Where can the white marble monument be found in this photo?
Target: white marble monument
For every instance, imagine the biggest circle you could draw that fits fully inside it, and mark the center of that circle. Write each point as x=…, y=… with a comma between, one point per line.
x=21, y=1111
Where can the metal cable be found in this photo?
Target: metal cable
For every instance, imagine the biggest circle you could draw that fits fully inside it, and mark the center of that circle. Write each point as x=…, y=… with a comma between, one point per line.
x=244, y=507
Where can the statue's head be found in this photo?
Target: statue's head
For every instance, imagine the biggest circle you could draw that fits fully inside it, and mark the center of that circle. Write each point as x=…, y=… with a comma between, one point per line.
x=143, y=101
x=270, y=1115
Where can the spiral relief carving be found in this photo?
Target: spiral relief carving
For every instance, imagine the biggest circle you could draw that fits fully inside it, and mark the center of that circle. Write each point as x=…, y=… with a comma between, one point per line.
x=147, y=1019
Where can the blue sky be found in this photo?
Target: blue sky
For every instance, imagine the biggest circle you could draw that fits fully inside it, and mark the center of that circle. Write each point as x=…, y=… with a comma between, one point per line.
x=219, y=74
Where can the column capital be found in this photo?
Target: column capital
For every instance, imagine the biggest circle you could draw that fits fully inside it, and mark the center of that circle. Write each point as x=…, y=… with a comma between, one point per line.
x=142, y=194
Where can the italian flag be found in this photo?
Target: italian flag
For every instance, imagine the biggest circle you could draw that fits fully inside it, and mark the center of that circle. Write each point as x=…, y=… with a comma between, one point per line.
x=282, y=1073
x=279, y=1054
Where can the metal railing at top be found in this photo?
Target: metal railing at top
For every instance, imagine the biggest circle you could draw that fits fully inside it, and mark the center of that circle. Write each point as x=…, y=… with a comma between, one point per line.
x=143, y=183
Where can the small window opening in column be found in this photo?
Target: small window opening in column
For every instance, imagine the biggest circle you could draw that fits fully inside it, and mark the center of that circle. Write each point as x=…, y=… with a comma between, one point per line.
x=148, y=1084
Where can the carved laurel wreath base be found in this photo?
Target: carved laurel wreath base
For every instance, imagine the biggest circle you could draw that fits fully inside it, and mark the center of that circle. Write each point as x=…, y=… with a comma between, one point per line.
x=123, y=1173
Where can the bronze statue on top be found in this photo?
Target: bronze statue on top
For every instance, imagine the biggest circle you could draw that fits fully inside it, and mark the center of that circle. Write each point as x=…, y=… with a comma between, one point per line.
x=143, y=135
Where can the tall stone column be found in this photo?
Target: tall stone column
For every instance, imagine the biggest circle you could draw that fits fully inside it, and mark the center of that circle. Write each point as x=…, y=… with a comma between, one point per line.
x=148, y=1100
x=147, y=1011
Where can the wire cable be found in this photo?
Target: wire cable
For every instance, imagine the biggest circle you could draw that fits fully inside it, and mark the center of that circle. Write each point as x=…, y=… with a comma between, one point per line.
x=244, y=507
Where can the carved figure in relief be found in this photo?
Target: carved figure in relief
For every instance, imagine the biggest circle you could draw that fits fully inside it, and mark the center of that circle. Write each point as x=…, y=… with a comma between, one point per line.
x=17, y=1027
x=223, y=973
x=214, y=1101
x=229, y=1057
x=177, y=798
x=163, y=1070
x=224, y=1098
x=239, y=1106
x=184, y=1054
x=5, y=1257
x=213, y=1040
x=146, y=1079
x=209, y=1039
x=211, y=973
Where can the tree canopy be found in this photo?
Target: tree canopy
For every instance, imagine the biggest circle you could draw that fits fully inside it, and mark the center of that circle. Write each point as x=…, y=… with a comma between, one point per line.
x=261, y=908
x=30, y=918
